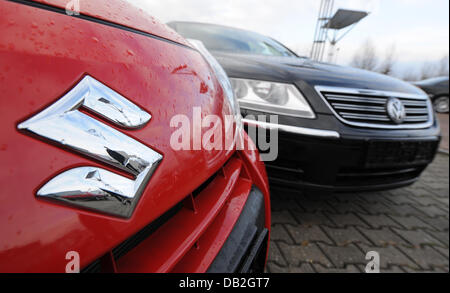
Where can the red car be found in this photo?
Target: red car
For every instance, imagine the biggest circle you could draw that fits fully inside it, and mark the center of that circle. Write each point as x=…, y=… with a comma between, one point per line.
x=89, y=180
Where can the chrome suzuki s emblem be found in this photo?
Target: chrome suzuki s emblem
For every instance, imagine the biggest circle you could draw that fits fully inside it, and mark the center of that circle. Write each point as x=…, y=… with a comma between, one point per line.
x=92, y=187
x=396, y=110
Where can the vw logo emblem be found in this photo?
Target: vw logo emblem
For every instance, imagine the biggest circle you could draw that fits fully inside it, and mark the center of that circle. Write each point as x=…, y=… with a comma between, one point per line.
x=396, y=110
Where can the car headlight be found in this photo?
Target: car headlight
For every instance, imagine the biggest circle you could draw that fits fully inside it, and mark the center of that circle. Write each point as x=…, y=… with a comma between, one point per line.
x=223, y=79
x=271, y=97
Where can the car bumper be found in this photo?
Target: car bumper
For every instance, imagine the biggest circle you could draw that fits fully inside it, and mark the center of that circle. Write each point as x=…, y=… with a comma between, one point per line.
x=223, y=226
x=246, y=246
x=349, y=159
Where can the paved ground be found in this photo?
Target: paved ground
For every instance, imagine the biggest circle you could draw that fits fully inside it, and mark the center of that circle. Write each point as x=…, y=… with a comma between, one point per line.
x=333, y=233
x=443, y=120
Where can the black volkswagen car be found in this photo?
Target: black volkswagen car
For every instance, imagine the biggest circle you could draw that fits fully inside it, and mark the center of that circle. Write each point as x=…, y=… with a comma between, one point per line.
x=340, y=128
x=437, y=89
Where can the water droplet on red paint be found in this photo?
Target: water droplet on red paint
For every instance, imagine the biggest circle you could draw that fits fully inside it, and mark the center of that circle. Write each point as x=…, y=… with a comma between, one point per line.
x=130, y=53
x=34, y=25
x=95, y=39
x=203, y=88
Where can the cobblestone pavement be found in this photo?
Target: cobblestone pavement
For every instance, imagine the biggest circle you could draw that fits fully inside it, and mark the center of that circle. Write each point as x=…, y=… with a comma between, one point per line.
x=333, y=233
x=443, y=120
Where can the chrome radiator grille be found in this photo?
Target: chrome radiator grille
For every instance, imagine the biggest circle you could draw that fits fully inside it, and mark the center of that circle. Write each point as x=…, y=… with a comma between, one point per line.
x=367, y=108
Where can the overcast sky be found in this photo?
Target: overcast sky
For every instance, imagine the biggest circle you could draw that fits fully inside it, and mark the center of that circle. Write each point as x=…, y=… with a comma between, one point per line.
x=419, y=29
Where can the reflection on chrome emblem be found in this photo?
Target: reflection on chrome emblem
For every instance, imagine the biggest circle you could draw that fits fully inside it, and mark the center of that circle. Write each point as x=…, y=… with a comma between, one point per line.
x=396, y=110
x=92, y=187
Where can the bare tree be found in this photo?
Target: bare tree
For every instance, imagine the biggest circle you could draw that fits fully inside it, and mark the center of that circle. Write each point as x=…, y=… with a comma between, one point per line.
x=366, y=57
x=428, y=70
x=434, y=69
x=411, y=75
x=443, y=66
x=390, y=58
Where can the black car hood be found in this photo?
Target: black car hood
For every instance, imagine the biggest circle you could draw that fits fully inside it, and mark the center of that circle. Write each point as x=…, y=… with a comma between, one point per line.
x=295, y=69
x=434, y=87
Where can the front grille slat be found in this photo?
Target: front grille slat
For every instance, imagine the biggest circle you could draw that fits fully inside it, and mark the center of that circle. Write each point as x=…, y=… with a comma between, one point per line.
x=364, y=116
x=369, y=108
x=416, y=119
x=416, y=111
x=359, y=108
x=356, y=99
x=415, y=103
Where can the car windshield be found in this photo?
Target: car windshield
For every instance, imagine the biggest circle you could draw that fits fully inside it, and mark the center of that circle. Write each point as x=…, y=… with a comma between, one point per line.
x=225, y=39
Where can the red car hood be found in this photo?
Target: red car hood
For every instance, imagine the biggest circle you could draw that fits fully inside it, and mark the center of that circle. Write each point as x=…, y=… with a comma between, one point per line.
x=123, y=13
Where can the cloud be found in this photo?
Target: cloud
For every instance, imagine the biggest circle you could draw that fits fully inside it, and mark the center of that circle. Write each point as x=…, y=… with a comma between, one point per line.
x=418, y=28
x=372, y=6
x=269, y=16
